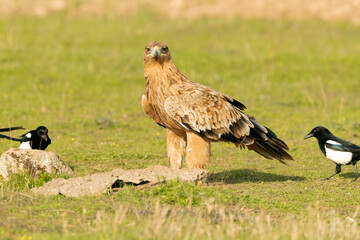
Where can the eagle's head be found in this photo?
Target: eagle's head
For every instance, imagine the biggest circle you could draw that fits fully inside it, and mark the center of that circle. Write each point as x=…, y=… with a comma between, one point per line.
x=156, y=52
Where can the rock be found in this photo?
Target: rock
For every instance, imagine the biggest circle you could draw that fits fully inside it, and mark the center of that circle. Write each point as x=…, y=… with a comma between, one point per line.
x=99, y=183
x=33, y=162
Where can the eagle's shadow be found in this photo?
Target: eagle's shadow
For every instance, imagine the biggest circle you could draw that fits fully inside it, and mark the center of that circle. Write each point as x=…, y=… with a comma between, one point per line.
x=248, y=175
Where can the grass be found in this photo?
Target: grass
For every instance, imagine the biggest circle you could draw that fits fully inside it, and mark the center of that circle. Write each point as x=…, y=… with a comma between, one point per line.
x=83, y=79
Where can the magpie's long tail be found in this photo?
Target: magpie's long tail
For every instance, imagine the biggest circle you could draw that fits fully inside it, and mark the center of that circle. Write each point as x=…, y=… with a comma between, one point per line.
x=10, y=129
x=10, y=138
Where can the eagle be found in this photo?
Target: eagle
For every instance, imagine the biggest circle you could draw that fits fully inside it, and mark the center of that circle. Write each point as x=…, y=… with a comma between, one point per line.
x=195, y=115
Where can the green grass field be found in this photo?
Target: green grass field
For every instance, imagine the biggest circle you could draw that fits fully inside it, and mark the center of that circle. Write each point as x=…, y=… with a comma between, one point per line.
x=83, y=79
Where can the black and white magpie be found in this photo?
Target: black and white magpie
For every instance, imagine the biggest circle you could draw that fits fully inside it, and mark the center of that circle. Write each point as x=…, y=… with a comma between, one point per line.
x=34, y=139
x=339, y=151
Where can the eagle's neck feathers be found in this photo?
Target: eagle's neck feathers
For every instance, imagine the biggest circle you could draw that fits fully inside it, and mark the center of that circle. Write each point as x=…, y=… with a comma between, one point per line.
x=160, y=76
x=163, y=79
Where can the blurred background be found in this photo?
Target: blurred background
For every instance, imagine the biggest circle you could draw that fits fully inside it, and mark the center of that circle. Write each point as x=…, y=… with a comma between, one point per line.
x=327, y=10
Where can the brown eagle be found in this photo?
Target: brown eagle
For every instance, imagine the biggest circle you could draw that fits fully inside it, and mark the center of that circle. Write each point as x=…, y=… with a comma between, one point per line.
x=195, y=115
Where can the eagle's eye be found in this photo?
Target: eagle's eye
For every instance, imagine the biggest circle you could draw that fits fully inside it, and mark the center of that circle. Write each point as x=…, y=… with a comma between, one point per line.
x=147, y=49
x=164, y=49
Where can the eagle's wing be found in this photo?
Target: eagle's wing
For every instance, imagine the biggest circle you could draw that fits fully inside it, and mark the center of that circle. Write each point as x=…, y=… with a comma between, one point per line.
x=217, y=117
x=208, y=113
x=150, y=111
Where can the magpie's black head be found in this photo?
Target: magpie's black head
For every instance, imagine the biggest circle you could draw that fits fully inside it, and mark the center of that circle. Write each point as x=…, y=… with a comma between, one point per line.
x=319, y=132
x=42, y=132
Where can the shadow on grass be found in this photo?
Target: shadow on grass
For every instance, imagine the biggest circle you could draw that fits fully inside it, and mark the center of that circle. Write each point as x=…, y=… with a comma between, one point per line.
x=248, y=175
x=348, y=175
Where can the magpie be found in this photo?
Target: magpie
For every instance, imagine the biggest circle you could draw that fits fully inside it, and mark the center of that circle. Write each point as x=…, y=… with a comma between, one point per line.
x=339, y=151
x=10, y=129
x=34, y=139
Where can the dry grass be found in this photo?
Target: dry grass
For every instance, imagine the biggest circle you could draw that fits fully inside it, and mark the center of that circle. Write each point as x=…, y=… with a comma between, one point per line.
x=328, y=10
x=211, y=222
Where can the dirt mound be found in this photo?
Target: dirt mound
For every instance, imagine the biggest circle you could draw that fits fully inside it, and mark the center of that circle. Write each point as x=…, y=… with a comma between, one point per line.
x=99, y=183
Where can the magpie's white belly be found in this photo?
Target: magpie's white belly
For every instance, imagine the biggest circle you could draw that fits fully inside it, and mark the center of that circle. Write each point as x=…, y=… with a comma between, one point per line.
x=25, y=145
x=338, y=157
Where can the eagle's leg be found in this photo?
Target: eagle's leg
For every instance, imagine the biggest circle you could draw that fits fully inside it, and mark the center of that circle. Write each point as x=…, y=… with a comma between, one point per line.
x=176, y=144
x=197, y=151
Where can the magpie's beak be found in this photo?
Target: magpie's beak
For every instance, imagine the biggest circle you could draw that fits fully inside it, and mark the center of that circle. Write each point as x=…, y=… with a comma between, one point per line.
x=309, y=135
x=45, y=137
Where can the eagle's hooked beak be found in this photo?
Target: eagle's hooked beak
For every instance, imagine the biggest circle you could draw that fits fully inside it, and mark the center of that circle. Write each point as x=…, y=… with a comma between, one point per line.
x=309, y=135
x=156, y=54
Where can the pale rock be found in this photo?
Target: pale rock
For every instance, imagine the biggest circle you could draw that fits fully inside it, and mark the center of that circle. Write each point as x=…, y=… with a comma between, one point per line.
x=32, y=162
